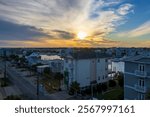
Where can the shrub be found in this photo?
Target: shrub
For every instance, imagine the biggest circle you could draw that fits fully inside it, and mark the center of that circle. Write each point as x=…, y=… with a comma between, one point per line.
x=112, y=83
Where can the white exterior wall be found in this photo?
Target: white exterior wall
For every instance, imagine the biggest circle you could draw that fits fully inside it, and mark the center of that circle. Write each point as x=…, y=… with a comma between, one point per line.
x=52, y=57
x=86, y=70
x=82, y=72
x=102, y=71
x=118, y=66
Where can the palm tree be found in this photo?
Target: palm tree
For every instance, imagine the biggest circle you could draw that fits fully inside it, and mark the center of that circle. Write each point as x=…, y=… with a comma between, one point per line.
x=75, y=87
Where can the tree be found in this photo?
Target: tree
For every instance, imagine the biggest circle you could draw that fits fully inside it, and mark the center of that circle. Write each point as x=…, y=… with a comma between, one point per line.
x=48, y=73
x=47, y=70
x=147, y=97
x=75, y=87
x=14, y=57
x=112, y=83
x=59, y=76
x=22, y=62
x=104, y=86
x=99, y=88
x=120, y=79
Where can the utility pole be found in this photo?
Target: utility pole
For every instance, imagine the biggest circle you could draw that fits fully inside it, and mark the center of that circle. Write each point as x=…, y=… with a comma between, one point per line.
x=37, y=87
x=92, y=91
x=5, y=72
x=93, y=83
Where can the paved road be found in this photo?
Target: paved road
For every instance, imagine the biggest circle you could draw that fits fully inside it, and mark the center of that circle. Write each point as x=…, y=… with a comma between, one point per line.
x=25, y=87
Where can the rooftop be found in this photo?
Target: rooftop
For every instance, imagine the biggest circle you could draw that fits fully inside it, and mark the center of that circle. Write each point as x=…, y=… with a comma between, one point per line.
x=89, y=55
x=139, y=59
x=51, y=57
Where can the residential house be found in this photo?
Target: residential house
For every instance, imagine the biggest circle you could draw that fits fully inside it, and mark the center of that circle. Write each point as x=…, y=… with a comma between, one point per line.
x=137, y=77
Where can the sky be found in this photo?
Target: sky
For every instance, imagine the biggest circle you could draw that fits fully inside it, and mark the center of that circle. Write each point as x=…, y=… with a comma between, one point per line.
x=74, y=23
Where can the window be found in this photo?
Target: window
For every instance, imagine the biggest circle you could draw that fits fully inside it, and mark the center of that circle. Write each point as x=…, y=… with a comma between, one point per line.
x=141, y=83
x=141, y=67
x=99, y=78
x=141, y=96
x=103, y=77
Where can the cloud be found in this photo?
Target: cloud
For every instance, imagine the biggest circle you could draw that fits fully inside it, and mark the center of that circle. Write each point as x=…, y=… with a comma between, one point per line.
x=59, y=34
x=125, y=9
x=62, y=19
x=139, y=31
x=12, y=31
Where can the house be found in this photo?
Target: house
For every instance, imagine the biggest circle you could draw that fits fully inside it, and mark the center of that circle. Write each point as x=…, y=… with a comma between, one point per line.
x=33, y=58
x=40, y=69
x=54, y=62
x=137, y=77
x=117, y=65
x=86, y=68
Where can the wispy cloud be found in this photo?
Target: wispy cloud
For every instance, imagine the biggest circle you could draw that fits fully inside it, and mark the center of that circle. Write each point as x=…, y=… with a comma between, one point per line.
x=139, y=31
x=125, y=9
x=62, y=19
x=60, y=34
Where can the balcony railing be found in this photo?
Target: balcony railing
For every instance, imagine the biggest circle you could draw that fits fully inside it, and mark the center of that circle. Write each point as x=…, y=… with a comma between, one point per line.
x=139, y=88
x=71, y=65
x=141, y=73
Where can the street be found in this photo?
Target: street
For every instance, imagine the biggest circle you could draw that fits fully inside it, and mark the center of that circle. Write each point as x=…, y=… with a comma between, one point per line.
x=27, y=89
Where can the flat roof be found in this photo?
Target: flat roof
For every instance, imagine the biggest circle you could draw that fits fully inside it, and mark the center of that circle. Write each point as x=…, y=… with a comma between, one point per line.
x=88, y=55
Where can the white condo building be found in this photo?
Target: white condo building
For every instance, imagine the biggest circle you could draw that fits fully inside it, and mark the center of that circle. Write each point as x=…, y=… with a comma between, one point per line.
x=86, y=69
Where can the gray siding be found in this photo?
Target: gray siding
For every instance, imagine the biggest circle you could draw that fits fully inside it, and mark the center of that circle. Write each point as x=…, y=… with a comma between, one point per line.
x=131, y=79
x=130, y=94
x=130, y=67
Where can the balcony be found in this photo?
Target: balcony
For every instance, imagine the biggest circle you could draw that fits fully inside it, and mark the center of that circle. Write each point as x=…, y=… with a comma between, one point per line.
x=71, y=66
x=139, y=88
x=141, y=73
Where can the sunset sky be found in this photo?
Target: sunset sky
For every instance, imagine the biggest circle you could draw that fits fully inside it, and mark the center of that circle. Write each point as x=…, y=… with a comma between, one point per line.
x=74, y=23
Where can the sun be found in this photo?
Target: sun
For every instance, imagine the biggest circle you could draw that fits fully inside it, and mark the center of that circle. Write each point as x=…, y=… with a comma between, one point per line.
x=82, y=35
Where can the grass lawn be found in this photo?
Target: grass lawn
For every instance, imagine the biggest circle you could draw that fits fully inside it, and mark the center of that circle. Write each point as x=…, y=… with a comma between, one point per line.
x=4, y=82
x=114, y=94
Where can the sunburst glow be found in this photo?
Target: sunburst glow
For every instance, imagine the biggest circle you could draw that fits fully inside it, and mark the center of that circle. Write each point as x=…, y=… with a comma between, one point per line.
x=82, y=35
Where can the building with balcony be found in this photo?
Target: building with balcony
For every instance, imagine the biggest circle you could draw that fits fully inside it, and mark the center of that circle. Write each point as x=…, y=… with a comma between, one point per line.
x=86, y=68
x=137, y=77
